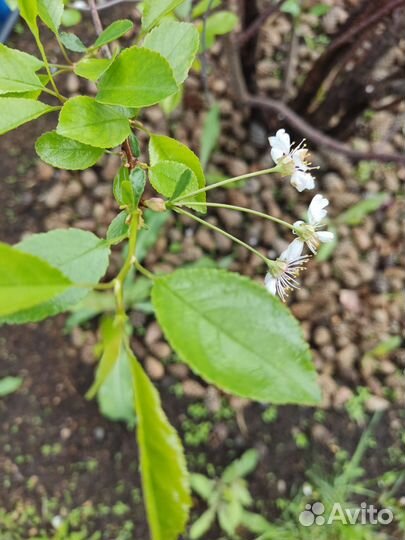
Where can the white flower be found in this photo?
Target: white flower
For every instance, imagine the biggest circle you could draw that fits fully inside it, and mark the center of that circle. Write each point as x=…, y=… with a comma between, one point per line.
x=293, y=160
x=308, y=232
x=282, y=274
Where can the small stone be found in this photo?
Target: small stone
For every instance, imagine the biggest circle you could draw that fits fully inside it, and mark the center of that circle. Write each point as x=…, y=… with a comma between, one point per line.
x=302, y=310
x=153, y=334
x=89, y=178
x=193, y=389
x=204, y=239
x=154, y=368
x=322, y=435
x=342, y=396
x=346, y=357
x=322, y=336
x=99, y=433
x=161, y=350
x=180, y=371
x=54, y=196
x=44, y=171
x=230, y=218
x=65, y=433
x=111, y=167
x=73, y=190
x=237, y=167
x=72, y=83
x=376, y=403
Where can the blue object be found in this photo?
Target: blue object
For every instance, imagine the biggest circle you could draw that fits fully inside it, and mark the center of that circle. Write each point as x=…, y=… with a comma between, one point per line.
x=8, y=19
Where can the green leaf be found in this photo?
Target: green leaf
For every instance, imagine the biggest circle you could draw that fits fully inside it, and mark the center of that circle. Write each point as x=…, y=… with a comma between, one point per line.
x=92, y=68
x=111, y=343
x=234, y=334
x=121, y=177
x=147, y=237
x=72, y=42
x=71, y=17
x=229, y=516
x=65, y=153
x=15, y=112
x=202, y=485
x=355, y=215
x=26, y=281
x=29, y=12
x=203, y=6
x=137, y=78
x=210, y=134
x=258, y=524
x=154, y=11
x=178, y=42
x=114, y=31
x=80, y=255
x=183, y=184
x=137, y=177
x=166, y=175
x=203, y=524
x=17, y=71
x=8, y=385
x=116, y=394
x=134, y=144
x=51, y=11
x=163, y=465
x=292, y=7
x=89, y=122
x=118, y=228
x=218, y=24
x=170, y=104
x=242, y=466
x=163, y=148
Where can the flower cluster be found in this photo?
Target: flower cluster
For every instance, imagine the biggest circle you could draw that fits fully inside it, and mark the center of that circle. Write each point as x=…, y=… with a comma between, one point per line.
x=283, y=272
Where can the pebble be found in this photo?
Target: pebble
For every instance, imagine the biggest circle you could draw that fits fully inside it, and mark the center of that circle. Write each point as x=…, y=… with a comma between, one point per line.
x=180, y=371
x=154, y=368
x=160, y=349
x=44, y=171
x=153, y=334
x=346, y=357
x=89, y=178
x=72, y=83
x=377, y=403
x=322, y=336
x=54, y=196
x=193, y=389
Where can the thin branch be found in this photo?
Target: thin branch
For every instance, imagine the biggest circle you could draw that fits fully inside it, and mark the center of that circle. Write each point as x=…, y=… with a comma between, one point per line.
x=82, y=7
x=204, y=62
x=98, y=25
x=294, y=120
x=316, y=136
x=252, y=30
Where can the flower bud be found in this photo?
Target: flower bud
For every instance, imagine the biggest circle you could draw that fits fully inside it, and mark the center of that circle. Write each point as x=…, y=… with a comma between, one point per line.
x=156, y=204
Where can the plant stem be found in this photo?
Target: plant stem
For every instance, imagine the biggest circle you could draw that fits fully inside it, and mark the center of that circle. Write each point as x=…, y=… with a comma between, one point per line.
x=221, y=231
x=98, y=26
x=227, y=181
x=48, y=69
x=63, y=50
x=242, y=209
x=129, y=261
x=143, y=270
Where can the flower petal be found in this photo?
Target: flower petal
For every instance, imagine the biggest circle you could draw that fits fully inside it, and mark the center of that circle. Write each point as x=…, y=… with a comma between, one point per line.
x=270, y=283
x=276, y=154
x=325, y=236
x=281, y=141
x=302, y=180
x=316, y=212
x=293, y=251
